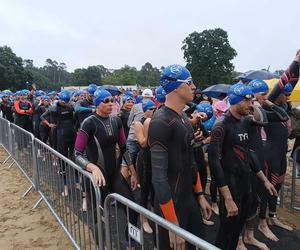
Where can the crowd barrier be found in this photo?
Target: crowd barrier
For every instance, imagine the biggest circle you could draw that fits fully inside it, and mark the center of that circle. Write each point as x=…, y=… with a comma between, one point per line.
x=65, y=187
x=114, y=237
x=296, y=167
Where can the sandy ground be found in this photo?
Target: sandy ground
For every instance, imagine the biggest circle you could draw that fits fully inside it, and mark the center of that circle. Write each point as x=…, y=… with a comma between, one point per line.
x=20, y=226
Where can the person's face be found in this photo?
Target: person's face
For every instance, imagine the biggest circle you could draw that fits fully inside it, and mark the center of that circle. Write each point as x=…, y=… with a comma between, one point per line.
x=106, y=106
x=61, y=103
x=261, y=98
x=282, y=99
x=23, y=97
x=135, y=93
x=5, y=98
x=85, y=94
x=149, y=112
x=244, y=107
x=186, y=90
x=90, y=97
x=128, y=104
x=46, y=103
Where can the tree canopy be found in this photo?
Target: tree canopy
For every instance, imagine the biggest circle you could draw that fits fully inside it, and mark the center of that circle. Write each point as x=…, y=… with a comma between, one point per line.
x=208, y=55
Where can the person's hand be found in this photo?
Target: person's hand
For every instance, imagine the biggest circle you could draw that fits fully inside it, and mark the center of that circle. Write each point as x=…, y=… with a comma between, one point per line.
x=201, y=116
x=297, y=58
x=231, y=207
x=133, y=181
x=97, y=175
x=271, y=189
x=205, y=207
x=33, y=86
x=51, y=125
x=198, y=135
x=93, y=110
x=176, y=241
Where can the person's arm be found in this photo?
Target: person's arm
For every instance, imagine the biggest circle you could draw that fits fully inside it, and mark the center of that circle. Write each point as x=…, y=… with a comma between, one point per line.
x=291, y=75
x=80, y=109
x=139, y=134
x=214, y=159
x=275, y=113
x=131, y=116
x=159, y=133
x=17, y=108
x=81, y=143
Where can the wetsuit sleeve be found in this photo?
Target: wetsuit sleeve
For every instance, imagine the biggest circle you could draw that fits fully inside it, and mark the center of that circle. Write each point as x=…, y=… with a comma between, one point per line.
x=291, y=75
x=131, y=116
x=45, y=115
x=254, y=162
x=204, y=130
x=80, y=109
x=158, y=136
x=80, y=146
x=17, y=108
x=276, y=114
x=260, y=117
x=198, y=190
x=215, y=153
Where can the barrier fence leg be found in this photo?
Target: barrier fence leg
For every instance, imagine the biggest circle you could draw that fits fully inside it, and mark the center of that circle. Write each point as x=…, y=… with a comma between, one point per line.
x=37, y=203
x=11, y=164
x=27, y=191
x=6, y=159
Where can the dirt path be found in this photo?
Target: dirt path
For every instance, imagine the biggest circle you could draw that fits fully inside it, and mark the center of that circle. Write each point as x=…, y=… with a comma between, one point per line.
x=20, y=226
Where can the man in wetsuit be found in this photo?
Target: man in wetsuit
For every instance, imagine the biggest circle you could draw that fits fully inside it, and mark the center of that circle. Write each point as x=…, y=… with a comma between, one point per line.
x=229, y=160
x=175, y=178
x=84, y=108
x=277, y=137
x=36, y=112
x=6, y=107
x=23, y=111
x=95, y=149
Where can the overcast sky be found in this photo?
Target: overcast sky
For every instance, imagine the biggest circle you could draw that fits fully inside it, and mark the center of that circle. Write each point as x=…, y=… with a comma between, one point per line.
x=113, y=33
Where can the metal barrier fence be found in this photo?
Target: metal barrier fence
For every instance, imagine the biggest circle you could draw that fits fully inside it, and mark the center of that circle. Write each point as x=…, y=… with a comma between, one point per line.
x=296, y=167
x=5, y=138
x=22, y=151
x=60, y=187
x=138, y=234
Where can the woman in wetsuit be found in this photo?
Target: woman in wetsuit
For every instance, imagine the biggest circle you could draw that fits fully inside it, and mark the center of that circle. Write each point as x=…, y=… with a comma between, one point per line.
x=144, y=158
x=95, y=150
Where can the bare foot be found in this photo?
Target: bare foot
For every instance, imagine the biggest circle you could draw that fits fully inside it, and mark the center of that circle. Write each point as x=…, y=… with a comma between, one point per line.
x=208, y=222
x=147, y=227
x=241, y=245
x=266, y=231
x=276, y=222
x=254, y=242
x=215, y=208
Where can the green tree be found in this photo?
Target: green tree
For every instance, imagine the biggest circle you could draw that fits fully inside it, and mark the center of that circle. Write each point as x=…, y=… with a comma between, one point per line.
x=208, y=55
x=148, y=75
x=12, y=73
x=125, y=76
x=92, y=74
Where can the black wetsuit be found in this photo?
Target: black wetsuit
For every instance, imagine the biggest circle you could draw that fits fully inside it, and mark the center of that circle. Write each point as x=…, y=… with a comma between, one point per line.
x=23, y=112
x=6, y=108
x=200, y=157
x=145, y=174
x=96, y=143
x=229, y=160
x=174, y=174
x=36, y=117
x=84, y=109
x=124, y=114
x=43, y=128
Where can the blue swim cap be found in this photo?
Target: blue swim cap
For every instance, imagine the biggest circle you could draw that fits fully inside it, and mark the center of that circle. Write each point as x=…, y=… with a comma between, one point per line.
x=91, y=89
x=210, y=123
x=128, y=98
x=65, y=96
x=172, y=77
x=160, y=94
x=24, y=92
x=288, y=89
x=258, y=86
x=239, y=92
x=138, y=99
x=128, y=93
x=100, y=95
x=205, y=108
x=147, y=104
x=38, y=93
x=46, y=98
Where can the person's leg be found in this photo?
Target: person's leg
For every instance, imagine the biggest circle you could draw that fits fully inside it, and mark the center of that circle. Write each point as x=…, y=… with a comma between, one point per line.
x=277, y=179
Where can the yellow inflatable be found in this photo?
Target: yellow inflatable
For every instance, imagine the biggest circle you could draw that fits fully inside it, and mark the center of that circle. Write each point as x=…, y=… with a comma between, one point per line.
x=295, y=96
